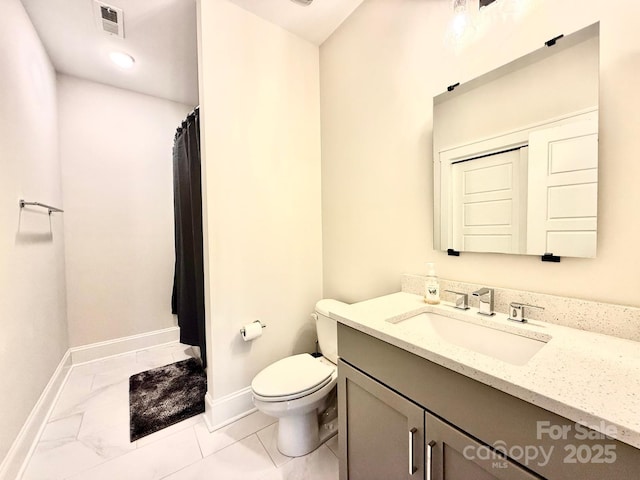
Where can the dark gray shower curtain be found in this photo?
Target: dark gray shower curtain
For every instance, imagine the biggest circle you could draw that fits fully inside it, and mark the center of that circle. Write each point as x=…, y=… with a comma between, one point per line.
x=188, y=282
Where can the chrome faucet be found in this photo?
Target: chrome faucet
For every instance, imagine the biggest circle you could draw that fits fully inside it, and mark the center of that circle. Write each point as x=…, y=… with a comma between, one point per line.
x=485, y=301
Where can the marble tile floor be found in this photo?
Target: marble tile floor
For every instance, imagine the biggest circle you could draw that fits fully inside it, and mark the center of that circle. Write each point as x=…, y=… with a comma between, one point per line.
x=87, y=435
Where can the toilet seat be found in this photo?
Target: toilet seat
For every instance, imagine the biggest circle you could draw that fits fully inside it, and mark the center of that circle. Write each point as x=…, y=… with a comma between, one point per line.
x=292, y=377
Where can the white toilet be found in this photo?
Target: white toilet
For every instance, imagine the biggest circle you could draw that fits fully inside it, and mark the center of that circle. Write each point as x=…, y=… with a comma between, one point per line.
x=295, y=389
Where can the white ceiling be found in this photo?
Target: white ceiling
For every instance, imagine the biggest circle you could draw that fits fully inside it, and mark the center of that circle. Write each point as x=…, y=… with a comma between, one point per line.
x=161, y=36
x=315, y=22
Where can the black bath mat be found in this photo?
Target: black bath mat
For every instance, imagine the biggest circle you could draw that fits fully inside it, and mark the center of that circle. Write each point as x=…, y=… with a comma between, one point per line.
x=165, y=395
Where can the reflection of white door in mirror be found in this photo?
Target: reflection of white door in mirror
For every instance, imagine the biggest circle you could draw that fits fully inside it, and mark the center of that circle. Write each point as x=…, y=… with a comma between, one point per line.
x=488, y=205
x=498, y=111
x=563, y=178
x=532, y=191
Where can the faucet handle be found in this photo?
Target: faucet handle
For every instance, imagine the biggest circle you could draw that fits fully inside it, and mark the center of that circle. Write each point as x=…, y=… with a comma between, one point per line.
x=462, y=300
x=516, y=311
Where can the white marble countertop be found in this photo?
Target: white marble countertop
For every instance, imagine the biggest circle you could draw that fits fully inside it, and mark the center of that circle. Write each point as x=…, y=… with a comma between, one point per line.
x=589, y=378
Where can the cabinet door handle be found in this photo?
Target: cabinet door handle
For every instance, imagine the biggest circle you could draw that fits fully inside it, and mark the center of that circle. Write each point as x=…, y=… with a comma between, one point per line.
x=430, y=446
x=412, y=468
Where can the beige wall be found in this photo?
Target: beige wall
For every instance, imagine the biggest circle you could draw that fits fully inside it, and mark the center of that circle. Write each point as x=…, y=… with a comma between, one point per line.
x=261, y=139
x=379, y=73
x=117, y=173
x=33, y=327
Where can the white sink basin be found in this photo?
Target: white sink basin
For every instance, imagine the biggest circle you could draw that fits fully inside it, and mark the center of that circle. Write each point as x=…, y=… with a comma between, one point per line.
x=506, y=346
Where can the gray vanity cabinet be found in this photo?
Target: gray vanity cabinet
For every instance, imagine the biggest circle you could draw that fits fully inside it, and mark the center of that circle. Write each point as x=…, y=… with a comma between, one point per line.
x=387, y=436
x=385, y=392
x=384, y=431
x=453, y=456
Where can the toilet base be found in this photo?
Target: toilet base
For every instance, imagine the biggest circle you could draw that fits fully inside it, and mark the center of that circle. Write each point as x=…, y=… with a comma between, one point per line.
x=300, y=435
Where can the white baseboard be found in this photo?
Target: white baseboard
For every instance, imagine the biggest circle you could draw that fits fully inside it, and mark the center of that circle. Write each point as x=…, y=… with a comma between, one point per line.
x=222, y=411
x=16, y=460
x=95, y=351
x=14, y=463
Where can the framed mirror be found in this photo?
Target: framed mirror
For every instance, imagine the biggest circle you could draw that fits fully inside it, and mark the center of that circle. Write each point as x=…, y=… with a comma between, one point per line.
x=516, y=155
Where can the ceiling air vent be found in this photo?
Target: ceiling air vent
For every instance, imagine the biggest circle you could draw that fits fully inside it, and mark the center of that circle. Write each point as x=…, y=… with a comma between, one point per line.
x=109, y=19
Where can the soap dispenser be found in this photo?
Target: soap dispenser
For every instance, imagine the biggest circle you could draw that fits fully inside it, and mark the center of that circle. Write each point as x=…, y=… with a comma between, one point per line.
x=431, y=286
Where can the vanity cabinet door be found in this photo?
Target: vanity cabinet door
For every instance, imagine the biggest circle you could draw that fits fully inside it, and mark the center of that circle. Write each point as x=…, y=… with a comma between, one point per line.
x=453, y=455
x=381, y=432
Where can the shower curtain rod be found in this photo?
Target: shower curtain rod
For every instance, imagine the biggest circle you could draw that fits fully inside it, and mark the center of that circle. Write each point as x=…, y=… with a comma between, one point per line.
x=197, y=107
x=51, y=209
x=190, y=115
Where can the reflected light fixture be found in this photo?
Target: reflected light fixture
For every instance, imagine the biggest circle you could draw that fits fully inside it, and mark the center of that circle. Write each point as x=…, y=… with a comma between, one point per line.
x=461, y=28
x=123, y=60
x=470, y=24
x=460, y=17
x=459, y=6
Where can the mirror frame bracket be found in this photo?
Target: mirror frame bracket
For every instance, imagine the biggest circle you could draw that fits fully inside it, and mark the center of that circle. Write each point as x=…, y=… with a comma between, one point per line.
x=552, y=42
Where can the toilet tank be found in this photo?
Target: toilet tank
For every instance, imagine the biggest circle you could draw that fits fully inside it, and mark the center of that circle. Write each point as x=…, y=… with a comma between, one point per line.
x=327, y=328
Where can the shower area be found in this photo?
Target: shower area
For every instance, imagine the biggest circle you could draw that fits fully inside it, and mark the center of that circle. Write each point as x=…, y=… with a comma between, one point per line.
x=187, y=300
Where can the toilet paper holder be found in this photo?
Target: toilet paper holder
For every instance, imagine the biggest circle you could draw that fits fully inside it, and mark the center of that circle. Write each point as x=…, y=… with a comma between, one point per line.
x=255, y=321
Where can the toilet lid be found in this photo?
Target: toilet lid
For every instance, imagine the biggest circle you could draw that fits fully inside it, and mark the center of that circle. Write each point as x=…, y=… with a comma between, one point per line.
x=291, y=376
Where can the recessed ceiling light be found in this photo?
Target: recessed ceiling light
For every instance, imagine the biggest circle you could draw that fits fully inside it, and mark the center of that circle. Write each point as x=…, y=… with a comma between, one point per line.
x=122, y=60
